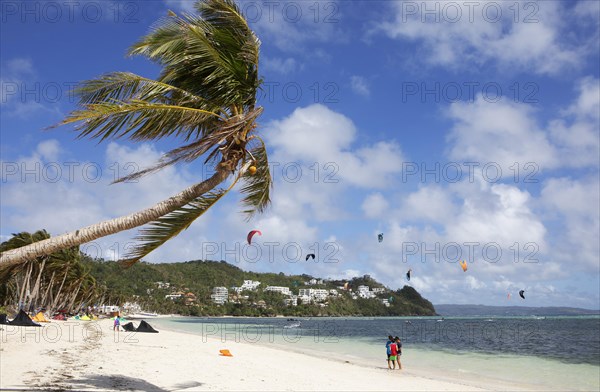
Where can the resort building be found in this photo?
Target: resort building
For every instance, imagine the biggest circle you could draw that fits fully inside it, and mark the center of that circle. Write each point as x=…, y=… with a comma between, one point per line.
x=306, y=292
x=279, y=289
x=250, y=285
x=320, y=294
x=219, y=295
x=163, y=285
x=292, y=301
x=363, y=292
x=174, y=296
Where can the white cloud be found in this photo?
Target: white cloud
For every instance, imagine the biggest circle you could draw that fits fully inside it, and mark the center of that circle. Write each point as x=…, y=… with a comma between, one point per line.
x=13, y=74
x=375, y=205
x=502, y=133
x=578, y=204
x=526, y=36
x=279, y=65
x=290, y=25
x=360, y=86
x=318, y=134
x=508, y=134
x=431, y=203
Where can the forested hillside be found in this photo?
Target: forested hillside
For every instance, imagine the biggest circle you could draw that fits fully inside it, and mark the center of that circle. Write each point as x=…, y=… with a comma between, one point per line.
x=196, y=280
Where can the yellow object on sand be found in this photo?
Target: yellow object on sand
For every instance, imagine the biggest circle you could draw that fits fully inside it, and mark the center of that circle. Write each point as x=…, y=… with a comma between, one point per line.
x=85, y=318
x=225, y=353
x=40, y=318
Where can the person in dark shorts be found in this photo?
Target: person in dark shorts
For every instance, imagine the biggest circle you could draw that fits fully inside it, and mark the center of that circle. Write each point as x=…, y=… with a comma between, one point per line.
x=399, y=351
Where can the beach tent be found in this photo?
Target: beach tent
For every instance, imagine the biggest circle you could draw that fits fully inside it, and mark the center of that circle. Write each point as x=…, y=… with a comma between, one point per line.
x=40, y=318
x=3, y=319
x=23, y=320
x=85, y=318
x=129, y=327
x=59, y=316
x=145, y=327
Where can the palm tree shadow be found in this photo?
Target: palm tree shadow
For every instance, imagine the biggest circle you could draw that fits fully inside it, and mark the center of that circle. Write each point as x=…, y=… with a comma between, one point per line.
x=119, y=382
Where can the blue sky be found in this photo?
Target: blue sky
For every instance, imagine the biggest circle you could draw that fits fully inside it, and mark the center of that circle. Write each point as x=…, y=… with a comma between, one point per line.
x=450, y=127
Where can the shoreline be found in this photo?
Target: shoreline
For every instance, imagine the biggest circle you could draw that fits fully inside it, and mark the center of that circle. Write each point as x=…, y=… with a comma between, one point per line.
x=89, y=356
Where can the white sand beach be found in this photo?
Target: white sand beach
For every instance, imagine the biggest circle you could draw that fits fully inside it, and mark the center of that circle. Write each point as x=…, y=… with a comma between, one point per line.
x=89, y=356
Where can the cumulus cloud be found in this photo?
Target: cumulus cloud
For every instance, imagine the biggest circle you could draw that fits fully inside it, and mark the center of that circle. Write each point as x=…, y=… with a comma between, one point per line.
x=375, y=205
x=502, y=133
x=509, y=135
x=318, y=134
x=525, y=35
x=577, y=202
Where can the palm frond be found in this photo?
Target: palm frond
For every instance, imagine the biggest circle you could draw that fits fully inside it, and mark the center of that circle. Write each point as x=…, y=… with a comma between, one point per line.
x=126, y=86
x=257, y=187
x=226, y=131
x=213, y=55
x=140, y=120
x=170, y=225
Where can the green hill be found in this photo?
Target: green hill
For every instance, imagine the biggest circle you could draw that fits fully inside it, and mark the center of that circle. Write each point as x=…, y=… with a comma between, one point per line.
x=194, y=281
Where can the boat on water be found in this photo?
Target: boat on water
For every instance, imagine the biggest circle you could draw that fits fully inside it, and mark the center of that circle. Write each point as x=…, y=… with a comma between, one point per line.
x=294, y=325
x=142, y=315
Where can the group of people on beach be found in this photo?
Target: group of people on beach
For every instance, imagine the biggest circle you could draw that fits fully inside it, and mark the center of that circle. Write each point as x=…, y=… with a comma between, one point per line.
x=394, y=351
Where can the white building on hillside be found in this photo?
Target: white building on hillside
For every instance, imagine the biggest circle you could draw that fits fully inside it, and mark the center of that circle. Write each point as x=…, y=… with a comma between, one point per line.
x=219, y=295
x=250, y=285
x=306, y=292
x=279, y=289
x=292, y=301
x=320, y=294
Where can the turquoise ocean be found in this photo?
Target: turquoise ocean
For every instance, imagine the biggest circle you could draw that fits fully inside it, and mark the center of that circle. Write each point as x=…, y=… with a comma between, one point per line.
x=541, y=353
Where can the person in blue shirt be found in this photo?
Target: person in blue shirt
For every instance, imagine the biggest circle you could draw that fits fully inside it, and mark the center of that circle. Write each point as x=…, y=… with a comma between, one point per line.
x=389, y=350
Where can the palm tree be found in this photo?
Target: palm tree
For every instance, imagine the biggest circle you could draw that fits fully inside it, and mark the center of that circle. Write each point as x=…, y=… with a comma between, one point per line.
x=206, y=96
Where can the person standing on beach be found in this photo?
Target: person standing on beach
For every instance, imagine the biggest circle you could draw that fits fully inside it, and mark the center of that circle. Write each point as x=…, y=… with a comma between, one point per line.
x=389, y=350
x=394, y=354
x=117, y=323
x=399, y=351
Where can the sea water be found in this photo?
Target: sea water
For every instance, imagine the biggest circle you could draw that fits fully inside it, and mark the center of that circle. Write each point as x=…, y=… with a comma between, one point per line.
x=552, y=353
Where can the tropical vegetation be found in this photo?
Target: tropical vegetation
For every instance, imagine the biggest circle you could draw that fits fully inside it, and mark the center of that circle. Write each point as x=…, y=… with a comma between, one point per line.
x=59, y=281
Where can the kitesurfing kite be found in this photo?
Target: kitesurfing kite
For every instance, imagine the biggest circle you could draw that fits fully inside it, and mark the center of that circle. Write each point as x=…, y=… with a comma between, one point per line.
x=522, y=294
x=310, y=255
x=251, y=234
x=380, y=237
x=463, y=264
x=408, y=274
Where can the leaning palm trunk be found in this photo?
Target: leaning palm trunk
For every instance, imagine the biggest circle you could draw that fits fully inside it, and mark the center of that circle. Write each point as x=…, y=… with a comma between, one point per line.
x=102, y=229
x=74, y=297
x=36, y=286
x=45, y=296
x=55, y=304
x=25, y=286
